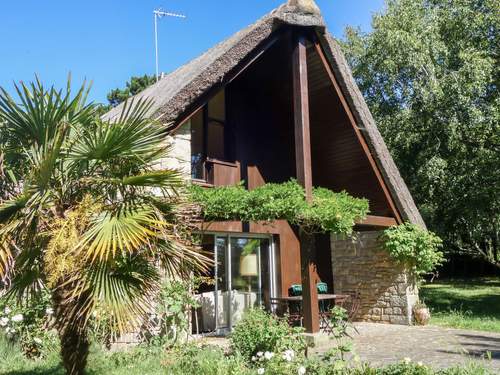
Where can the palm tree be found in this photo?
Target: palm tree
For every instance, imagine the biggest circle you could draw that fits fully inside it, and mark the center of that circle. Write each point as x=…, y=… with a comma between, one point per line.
x=87, y=212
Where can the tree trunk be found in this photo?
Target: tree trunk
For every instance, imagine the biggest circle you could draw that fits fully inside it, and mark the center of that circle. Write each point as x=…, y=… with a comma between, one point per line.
x=74, y=350
x=72, y=332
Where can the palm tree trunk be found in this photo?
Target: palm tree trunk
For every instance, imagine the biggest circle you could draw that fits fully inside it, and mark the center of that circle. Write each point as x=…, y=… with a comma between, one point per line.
x=74, y=350
x=74, y=338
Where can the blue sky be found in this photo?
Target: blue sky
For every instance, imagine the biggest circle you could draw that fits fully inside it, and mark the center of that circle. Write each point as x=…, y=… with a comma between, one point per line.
x=107, y=41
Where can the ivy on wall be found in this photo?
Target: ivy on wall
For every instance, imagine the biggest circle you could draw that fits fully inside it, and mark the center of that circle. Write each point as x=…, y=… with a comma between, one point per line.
x=329, y=212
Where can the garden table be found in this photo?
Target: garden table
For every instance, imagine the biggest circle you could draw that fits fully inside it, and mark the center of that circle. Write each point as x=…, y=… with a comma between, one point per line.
x=292, y=307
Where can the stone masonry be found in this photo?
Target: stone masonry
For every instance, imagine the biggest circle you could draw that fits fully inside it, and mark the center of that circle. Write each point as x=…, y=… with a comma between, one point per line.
x=180, y=152
x=386, y=290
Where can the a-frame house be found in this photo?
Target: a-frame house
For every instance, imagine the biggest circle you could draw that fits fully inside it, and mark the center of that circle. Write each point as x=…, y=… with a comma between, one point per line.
x=277, y=101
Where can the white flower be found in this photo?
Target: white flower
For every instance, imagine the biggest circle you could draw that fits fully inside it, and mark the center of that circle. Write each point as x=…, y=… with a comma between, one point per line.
x=254, y=358
x=37, y=341
x=4, y=322
x=407, y=360
x=17, y=318
x=268, y=355
x=261, y=371
x=420, y=364
x=49, y=311
x=288, y=355
x=260, y=354
x=301, y=370
x=7, y=310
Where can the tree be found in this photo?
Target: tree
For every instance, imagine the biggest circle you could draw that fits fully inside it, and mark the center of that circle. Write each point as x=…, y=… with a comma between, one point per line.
x=133, y=87
x=86, y=212
x=429, y=71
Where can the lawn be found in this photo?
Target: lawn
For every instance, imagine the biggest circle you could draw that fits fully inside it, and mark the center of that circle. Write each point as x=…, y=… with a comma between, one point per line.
x=468, y=304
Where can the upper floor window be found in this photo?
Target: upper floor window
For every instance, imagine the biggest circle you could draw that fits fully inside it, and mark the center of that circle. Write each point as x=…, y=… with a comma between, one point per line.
x=207, y=135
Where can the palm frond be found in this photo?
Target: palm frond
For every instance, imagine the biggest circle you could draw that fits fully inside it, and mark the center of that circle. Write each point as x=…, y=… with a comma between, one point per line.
x=180, y=259
x=165, y=179
x=6, y=258
x=11, y=207
x=132, y=137
x=38, y=116
x=129, y=227
x=122, y=290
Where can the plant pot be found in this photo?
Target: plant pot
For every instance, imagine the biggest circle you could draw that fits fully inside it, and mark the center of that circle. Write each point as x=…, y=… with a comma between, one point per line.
x=422, y=315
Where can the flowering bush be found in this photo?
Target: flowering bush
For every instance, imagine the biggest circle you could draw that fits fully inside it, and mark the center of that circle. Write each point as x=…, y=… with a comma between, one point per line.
x=27, y=323
x=283, y=363
x=261, y=332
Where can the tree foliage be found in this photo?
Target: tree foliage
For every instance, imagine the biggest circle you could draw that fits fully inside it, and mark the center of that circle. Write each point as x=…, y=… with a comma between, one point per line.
x=328, y=211
x=134, y=86
x=429, y=71
x=86, y=212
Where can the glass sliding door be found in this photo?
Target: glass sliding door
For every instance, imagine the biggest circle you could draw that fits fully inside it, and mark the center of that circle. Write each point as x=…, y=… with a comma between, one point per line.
x=244, y=277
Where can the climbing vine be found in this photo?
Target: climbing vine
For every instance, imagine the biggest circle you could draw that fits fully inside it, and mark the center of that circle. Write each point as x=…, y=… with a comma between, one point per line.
x=414, y=246
x=328, y=211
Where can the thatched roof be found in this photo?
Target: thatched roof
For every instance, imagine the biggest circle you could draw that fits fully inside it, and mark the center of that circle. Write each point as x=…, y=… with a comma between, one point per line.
x=177, y=91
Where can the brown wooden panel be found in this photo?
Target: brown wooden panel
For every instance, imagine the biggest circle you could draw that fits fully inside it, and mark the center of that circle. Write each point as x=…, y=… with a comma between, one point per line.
x=221, y=173
x=222, y=226
x=378, y=221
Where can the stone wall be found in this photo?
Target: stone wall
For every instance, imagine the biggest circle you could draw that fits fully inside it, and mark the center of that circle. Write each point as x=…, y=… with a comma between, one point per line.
x=386, y=290
x=180, y=154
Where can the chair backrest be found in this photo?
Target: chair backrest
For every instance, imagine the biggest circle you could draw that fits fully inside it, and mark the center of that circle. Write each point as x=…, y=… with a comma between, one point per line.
x=296, y=289
x=322, y=288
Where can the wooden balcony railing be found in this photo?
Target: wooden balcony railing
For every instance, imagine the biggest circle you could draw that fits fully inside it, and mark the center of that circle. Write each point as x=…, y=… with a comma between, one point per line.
x=220, y=173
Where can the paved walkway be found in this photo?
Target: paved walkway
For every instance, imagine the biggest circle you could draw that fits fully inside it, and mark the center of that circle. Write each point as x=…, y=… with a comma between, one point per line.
x=380, y=344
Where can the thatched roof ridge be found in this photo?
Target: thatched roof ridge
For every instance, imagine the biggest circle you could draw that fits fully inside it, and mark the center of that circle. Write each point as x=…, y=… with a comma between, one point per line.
x=176, y=92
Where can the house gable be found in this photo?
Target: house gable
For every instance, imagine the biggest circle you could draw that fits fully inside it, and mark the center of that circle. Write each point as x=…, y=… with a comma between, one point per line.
x=180, y=94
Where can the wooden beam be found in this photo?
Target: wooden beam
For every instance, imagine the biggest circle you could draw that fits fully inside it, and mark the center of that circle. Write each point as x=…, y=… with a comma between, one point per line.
x=359, y=135
x=304, y=176
x=301, y=115
x=378, y=221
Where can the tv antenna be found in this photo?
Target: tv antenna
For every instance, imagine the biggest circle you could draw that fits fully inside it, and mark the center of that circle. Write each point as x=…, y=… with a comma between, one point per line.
x=159, y=13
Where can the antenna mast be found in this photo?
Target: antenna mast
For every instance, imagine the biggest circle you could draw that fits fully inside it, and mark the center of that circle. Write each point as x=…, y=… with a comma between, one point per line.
x=159, y=13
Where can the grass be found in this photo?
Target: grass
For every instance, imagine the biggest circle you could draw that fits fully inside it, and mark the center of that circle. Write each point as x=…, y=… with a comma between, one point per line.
x=144, y=361
x=467, y=304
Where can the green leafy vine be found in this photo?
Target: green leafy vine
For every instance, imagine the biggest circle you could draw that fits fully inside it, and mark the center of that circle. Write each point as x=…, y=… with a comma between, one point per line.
x=328, y=211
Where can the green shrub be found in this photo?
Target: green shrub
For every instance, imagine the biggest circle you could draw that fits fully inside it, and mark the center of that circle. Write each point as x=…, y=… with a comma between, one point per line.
x=259, y=332
x=414, y=246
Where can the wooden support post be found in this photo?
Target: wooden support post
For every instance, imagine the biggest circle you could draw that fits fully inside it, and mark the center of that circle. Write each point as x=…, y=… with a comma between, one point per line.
x=304, y=176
